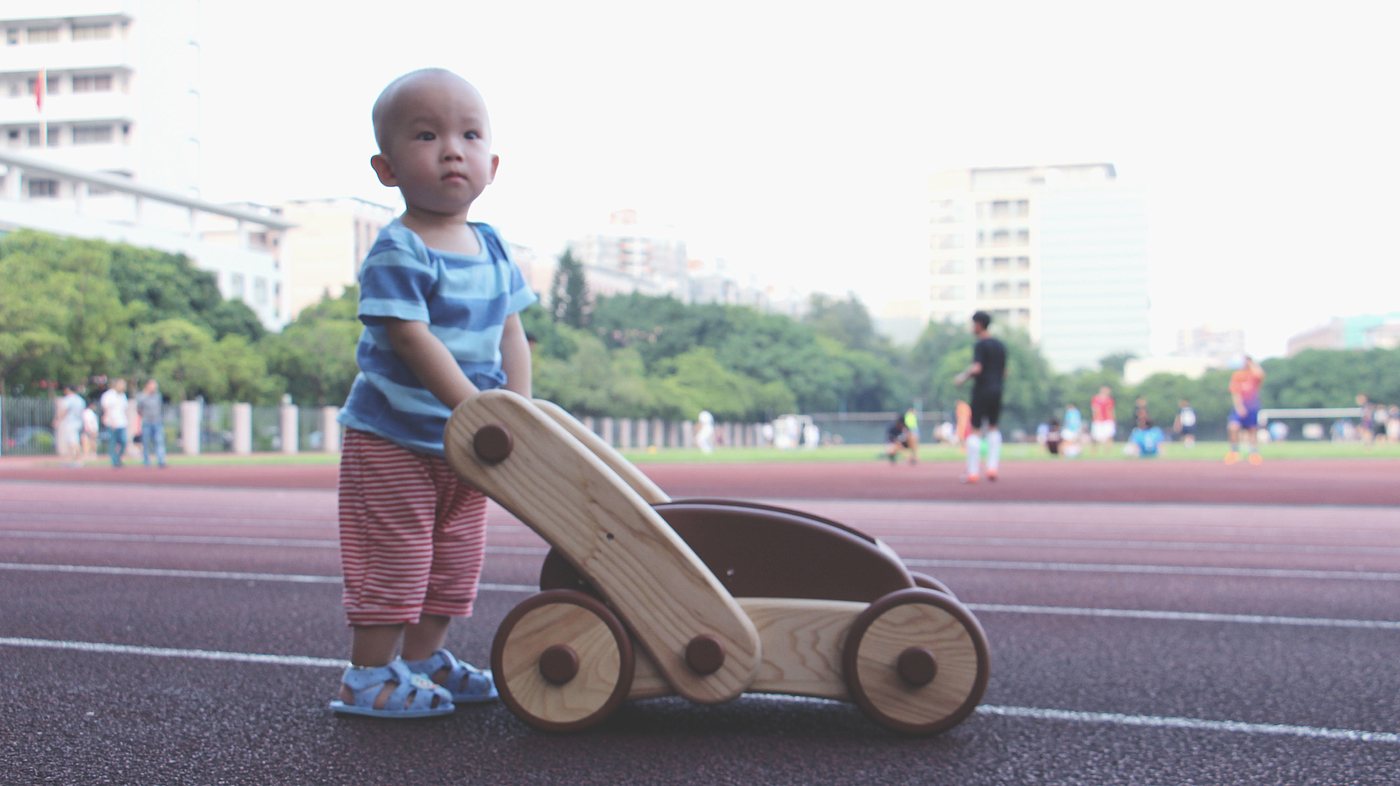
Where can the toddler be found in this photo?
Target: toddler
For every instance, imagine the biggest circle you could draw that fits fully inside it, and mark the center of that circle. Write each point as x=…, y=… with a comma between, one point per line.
x=440, y=300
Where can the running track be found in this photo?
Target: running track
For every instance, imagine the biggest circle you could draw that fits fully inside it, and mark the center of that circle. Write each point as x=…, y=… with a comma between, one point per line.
x=1170, y=622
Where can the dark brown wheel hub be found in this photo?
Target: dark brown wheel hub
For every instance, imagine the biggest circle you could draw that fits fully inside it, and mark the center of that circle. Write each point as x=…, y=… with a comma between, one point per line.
x=917, y=666
x=493, y=443
x=705, y=654
x=559, y=664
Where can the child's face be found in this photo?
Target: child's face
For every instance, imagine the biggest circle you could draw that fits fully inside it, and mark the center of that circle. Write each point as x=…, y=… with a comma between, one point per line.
x=438, y=151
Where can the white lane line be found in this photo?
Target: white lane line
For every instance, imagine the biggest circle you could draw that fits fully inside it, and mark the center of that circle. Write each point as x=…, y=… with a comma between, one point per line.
x=1187, y=616
x=1068, y=611
x=217, y=574
x=212, y=540
x=1140, y=545
x=1191, y=723
x=1169, y=570
x=1115, y=718
x=202, y=540
x=166, y=652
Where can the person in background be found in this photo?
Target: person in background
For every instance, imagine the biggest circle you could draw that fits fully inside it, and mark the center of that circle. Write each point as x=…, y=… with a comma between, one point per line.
x=1185, y=425
x=1105, y=421
x=1148, y=438
x=114, y=417
x=705, y=432
x=896, y=439
x=1054, y=437
x=1366, y=431
x=68, y=426
x=1244, y=414
x=1392, y=425
x=90, y=427
x=962, y=413
x=1071, y=429
x=911, y=422
x=150, y=406
x=988, y=369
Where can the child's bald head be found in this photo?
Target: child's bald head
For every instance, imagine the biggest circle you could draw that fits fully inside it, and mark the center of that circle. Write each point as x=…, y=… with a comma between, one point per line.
x=390, y=108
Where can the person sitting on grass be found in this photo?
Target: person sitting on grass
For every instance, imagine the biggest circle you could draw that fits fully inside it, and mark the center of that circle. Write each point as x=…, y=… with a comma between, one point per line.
x=1147, y=438
x=897, y=439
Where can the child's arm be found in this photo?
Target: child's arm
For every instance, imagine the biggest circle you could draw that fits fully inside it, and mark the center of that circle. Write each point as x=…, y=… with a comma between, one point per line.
x=515, y=357
x=430, y=361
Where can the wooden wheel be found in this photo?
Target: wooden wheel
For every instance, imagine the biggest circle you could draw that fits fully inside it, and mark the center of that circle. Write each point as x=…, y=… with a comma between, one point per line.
x=916, y=661
x=562, y=661
x=928, y=582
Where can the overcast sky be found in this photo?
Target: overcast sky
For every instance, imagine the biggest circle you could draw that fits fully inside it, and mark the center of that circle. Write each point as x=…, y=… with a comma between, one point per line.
x=795, y=139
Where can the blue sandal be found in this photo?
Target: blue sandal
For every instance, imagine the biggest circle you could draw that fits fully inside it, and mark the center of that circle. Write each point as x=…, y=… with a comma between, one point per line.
x=413, y=698
x=467, y=683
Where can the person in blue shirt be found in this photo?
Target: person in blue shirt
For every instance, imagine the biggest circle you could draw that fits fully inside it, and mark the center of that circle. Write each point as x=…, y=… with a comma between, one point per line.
x=1069, y=432
x=1148, y=438
x=440, y=299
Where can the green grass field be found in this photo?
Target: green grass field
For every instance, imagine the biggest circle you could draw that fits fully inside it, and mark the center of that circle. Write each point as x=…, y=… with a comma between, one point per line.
x=1203, y=451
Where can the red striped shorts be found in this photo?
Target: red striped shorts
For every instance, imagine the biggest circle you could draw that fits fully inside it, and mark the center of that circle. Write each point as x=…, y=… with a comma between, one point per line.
x=412, y=535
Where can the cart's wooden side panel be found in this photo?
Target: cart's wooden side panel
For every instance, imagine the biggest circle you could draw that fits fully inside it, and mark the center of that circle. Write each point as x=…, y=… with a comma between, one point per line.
x=625, y=469
x=802, y=645
x=563, y=491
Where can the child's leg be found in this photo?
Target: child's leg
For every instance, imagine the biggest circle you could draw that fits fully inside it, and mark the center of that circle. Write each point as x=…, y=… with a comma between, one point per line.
x=387, y=512
x=459, y=551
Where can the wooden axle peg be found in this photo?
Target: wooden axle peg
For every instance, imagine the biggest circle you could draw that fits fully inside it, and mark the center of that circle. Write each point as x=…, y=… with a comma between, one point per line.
x=705, y=654
x=493, y=443
x=559, y=664
x=917, y=666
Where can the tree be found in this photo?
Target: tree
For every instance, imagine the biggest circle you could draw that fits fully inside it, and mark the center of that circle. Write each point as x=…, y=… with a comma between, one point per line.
x=189, y=363
x=568, y=292
x=60, y=314
x=846, y=321
x=1116, y=361
x=315, y=354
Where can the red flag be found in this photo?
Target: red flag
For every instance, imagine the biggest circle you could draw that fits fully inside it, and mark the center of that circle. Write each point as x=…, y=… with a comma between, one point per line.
x=39, y=89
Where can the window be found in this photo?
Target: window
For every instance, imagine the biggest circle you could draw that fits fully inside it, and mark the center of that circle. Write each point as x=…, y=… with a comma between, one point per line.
x=33, y=137
x=1001, y=209
x=947, y=241
x=12, y=36
x=1023, y=289
x=1023, y=208
x=1001, y=263
x=92, y=135
x=235, y=285
x=948, y=267
x=15, y=90
x=92, y=31
x=42, y=35
x=50, y=85
x=259, y=291
x=43, y=188
x=95, y=83
x=1023, y=237
x=1023, y=263
x=1001, y=237
x=1001, y=289
x=946, y=293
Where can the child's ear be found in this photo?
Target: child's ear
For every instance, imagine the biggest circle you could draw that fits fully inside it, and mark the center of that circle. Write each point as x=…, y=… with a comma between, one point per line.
x=495, y=162
x=385, y=170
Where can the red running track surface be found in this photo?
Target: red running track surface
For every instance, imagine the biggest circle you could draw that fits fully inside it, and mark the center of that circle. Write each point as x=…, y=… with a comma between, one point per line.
x=1294, y=481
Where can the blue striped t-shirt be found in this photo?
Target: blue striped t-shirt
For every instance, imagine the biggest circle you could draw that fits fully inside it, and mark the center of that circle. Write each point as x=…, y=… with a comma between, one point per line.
x=465, y=301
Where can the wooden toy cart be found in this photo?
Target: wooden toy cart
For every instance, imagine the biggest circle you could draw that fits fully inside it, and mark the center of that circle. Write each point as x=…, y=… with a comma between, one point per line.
x=643, y=596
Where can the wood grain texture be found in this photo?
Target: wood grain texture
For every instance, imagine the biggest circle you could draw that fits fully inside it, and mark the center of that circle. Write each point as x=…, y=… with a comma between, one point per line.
x=600, y=663
x=802, y=645
x=922, y=625
x=625, y=469
x=568, y=495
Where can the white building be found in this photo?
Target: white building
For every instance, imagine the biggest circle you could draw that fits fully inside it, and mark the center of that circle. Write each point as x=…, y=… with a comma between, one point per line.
x=121, y=87
x=626, y=256
x=99, y=206
x=1059, y=251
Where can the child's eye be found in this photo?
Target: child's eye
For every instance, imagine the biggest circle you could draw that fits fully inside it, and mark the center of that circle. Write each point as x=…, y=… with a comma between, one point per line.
x=426, y=136
x=472, y=135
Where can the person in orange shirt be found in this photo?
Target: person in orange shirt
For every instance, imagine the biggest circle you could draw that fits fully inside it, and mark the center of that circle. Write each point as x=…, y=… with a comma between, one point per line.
x=1244, y=414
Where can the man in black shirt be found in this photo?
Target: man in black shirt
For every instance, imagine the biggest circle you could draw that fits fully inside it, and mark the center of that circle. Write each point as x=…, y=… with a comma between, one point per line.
x=987, y=370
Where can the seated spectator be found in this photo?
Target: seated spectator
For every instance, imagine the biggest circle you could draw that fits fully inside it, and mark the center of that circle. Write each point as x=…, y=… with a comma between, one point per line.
x=1147, y=438
x=1052, y=437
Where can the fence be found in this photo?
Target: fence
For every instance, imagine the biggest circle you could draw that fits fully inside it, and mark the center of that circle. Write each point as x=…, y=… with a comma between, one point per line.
x=25, y=429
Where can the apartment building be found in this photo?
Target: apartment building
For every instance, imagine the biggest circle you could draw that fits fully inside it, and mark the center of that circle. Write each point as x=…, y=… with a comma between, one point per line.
x=1057, y=251
x=626, y=256
x=120, y=93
